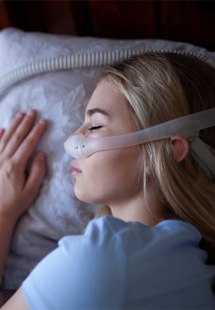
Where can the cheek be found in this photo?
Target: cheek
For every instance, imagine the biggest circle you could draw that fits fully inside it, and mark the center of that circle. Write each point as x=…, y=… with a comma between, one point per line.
x=108, y=176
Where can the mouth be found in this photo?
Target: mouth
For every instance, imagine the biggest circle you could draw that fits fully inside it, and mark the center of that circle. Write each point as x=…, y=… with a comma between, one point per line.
x=75, y=170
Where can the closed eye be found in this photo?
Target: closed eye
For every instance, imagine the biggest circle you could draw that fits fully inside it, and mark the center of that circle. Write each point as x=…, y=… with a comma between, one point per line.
x=94, y=128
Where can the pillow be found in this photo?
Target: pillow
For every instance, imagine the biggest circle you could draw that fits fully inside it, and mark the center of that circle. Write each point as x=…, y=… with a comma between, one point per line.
x=60, y=97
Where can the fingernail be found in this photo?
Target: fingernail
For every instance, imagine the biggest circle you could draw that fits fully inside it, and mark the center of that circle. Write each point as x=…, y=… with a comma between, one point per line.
x=30, y=112
x=43, y=122
x=19, y=115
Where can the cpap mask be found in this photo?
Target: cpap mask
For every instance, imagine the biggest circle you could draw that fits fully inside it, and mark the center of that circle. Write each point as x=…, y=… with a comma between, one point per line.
x=188, y=126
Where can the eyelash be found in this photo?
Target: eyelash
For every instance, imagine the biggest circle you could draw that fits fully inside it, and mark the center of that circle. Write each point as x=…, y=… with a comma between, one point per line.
x=94, y=128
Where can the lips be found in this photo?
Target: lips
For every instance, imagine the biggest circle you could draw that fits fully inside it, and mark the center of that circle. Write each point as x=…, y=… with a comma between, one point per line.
x=74, y=168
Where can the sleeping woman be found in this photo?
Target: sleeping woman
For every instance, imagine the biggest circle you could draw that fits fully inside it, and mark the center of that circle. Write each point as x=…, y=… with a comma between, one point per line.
x=153, y=245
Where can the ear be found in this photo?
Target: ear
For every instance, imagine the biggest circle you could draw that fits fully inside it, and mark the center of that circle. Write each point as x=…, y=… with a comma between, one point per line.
x=180, y=148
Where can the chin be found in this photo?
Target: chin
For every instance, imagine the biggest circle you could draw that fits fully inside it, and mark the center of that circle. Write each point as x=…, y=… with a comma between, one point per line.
x=89, y=194
x=83, y=196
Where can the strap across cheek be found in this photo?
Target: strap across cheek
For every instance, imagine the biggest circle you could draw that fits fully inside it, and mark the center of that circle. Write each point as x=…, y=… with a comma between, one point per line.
x=187, y=126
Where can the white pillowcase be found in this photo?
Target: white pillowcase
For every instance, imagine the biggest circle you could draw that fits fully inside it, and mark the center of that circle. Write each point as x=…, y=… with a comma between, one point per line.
x=61, y=98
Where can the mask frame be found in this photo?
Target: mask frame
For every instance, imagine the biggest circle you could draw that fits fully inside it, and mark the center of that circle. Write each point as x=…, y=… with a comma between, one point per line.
x=79, y=146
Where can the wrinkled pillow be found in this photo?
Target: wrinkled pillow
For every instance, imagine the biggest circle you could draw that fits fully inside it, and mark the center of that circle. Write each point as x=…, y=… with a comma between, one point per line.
x=60, y=97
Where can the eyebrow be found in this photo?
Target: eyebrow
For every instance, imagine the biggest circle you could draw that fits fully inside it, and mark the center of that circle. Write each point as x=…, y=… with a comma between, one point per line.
x=90, y=112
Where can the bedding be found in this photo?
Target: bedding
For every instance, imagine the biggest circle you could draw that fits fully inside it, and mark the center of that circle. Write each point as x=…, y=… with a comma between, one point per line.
x=60, y=97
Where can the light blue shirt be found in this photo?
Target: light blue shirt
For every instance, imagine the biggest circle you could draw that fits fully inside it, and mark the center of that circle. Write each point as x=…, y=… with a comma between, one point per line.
x=120, y=265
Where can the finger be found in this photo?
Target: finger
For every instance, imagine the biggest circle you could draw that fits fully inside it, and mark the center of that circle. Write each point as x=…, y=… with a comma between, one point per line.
x=15, y=135
x=35, y=178
x=27, y=147
x=6, y=135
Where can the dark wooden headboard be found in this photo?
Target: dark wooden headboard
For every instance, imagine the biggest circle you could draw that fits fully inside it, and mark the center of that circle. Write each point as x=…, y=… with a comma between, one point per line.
x=188, y=21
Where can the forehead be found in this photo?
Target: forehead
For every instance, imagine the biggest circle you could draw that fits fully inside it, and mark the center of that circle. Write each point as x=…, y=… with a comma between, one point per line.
x=107, y=97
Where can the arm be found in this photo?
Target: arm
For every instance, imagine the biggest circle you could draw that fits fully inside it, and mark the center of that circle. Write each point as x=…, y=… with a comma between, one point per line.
x=18, y=188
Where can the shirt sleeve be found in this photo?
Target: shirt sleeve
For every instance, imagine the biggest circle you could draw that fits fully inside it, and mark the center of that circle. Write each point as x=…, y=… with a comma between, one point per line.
x=79, y=273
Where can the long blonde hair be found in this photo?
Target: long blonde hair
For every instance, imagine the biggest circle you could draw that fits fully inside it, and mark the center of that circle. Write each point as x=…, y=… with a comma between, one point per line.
x=160, y=87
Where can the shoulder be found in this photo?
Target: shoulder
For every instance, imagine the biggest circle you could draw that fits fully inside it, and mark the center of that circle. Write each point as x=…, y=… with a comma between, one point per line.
x=83, y=265
x=110, y=228
x=101, y=236
x=115, y=256
x=108, y=233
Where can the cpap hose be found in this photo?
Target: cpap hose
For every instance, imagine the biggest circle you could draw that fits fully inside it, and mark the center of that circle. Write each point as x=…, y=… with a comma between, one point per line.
x=76, y=61
x=89, y=59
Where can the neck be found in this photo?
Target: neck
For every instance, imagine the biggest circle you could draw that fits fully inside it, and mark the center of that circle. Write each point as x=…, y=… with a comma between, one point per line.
x=137, y=210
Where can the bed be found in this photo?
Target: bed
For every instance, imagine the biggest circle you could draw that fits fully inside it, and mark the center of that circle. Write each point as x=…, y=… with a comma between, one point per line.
x=51, y=54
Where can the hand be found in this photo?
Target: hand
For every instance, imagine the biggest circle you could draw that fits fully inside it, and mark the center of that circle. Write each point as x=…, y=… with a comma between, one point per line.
x=18, y=188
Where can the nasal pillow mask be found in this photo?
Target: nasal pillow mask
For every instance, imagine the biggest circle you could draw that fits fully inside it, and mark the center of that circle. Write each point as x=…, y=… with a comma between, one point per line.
x=187, y=126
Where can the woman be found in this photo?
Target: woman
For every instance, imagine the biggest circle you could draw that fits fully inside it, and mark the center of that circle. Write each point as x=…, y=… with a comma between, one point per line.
x=156, y=248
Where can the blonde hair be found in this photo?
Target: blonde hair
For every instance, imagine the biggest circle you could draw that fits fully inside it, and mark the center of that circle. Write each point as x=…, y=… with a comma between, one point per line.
x=159, y=87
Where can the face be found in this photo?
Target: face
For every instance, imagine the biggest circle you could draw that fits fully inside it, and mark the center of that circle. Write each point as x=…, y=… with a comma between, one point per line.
x=107, y=177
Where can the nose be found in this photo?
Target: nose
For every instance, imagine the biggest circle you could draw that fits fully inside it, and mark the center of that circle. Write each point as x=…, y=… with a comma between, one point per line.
x=76, y=146
x=72, y=145
x=79, y=131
